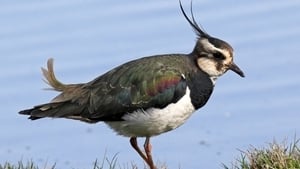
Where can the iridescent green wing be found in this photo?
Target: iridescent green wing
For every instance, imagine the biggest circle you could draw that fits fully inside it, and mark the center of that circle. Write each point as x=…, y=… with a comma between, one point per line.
x=136, y=85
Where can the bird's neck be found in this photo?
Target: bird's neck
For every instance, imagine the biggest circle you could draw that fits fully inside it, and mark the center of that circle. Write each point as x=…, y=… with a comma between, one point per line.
x=201, y=87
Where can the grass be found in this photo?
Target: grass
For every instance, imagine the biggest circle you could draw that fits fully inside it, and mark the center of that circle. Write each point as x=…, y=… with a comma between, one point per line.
x=105, y=163
x=273, y=156
x=21, y=165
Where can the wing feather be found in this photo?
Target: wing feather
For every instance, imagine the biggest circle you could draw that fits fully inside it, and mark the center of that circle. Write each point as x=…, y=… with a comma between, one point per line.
x=128, y=88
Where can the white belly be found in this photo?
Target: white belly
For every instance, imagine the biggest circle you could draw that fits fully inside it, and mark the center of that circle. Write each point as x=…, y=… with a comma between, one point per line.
x=150, y=122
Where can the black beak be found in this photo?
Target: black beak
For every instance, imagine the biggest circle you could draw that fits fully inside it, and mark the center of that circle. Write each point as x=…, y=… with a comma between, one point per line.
x=236, y=69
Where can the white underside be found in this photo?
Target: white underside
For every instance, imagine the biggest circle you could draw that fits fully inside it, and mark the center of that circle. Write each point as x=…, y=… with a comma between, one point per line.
x=153, y=121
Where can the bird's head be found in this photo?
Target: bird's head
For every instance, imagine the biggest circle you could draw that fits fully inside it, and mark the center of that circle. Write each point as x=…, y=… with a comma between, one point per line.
x=213, y=56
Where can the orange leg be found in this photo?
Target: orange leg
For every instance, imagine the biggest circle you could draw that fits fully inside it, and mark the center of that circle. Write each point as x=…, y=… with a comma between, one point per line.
x=147, y=146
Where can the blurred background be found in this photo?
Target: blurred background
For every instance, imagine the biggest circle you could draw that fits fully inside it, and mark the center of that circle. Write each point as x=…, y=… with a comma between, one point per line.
x=88, y=38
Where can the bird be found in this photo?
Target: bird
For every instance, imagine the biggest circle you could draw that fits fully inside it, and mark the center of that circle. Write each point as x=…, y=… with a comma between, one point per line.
x=145, y=97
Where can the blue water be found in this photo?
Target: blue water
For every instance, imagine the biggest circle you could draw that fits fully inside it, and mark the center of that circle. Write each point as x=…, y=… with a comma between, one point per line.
x=88, y=38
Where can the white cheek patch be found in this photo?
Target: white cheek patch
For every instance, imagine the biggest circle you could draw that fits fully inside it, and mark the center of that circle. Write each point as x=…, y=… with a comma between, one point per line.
x=209, y=66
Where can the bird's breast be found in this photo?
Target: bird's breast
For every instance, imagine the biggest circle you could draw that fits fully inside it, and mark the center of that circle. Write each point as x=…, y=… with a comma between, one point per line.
x=154, y=121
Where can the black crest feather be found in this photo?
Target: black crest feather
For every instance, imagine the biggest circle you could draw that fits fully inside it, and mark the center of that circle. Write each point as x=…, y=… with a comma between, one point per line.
x=193, y=22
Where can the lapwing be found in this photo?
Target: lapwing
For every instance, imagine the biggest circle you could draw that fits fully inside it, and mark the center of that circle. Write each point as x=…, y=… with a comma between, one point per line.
x=144, y=97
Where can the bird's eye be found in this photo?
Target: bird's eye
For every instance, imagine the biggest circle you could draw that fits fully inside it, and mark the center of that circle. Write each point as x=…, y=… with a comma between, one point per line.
x=219, y=55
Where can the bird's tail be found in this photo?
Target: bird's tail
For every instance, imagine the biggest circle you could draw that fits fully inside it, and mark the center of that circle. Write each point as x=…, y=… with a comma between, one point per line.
x=70, y=103
x=51, y=79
